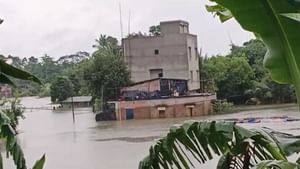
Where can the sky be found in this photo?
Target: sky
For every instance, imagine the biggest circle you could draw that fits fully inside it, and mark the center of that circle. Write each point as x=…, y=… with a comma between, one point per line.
x=62, y=27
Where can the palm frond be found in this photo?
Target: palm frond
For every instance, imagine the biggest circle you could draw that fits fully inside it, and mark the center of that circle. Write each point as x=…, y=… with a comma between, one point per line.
x=240, y=148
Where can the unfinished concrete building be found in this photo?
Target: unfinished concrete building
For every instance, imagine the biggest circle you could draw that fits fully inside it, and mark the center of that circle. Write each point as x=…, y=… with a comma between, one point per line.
x=172, y=54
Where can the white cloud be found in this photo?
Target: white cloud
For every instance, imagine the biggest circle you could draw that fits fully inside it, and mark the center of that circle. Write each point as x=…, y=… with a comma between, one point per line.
x=59, y=27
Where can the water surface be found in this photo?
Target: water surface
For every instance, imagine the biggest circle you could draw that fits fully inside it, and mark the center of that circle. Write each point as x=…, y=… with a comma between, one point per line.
x=107, y=145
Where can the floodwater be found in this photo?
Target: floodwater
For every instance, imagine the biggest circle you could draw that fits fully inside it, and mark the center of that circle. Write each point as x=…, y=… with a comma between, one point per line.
x=106, y=145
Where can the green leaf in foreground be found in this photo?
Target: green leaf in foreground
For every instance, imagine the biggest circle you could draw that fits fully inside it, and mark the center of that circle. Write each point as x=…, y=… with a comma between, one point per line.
x=40, y=163
x=202, y=141
x=9, y=70
x=277, y=23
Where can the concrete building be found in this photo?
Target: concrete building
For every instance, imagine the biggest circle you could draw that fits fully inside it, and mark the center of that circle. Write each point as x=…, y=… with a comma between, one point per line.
x=172, y=54
x=173, y=107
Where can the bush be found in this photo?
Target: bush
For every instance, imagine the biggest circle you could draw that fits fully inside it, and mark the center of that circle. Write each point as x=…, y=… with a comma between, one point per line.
x=222, y=106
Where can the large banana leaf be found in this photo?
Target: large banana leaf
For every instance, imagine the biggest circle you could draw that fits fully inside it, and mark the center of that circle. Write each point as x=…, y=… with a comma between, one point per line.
x=277, y=23
x=7, y=70
x=202, y=141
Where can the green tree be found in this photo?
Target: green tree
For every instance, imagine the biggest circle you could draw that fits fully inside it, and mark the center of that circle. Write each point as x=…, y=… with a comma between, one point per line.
x=61, y=89
x=231, y=76
x=107, y=44
x=155, y=30
x=105, y=70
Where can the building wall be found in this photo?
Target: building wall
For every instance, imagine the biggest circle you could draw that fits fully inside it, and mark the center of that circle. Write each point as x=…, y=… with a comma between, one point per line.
x=173, y=107
x=140, y=57
x=193, y=62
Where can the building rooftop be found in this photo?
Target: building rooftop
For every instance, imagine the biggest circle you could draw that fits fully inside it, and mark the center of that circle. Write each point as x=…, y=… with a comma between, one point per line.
x=78, y=99
x=174, y=21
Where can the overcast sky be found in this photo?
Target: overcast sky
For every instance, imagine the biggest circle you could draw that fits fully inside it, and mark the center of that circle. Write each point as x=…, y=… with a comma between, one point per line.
x=61, y=27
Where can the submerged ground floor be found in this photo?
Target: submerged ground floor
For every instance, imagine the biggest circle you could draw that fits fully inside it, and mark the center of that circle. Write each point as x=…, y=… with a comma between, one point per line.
x=172, y=107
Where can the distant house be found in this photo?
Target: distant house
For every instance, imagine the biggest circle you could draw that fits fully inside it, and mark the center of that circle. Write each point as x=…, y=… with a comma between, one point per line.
x=78, y=101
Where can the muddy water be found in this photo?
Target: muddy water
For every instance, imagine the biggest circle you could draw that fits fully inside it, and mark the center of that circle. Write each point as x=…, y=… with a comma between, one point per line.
x=106, y=145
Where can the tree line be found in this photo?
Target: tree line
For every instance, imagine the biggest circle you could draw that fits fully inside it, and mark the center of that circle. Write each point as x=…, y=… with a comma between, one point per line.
x=240, y=77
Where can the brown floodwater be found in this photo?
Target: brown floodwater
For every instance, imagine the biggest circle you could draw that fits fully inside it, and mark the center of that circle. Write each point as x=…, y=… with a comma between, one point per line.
x=107, y=145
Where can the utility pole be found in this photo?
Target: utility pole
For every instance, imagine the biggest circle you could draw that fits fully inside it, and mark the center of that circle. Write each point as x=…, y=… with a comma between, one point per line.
x=73, y=109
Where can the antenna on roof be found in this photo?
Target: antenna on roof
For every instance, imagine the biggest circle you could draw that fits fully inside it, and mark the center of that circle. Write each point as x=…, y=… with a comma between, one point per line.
x=230, y=39
x=121, y=23
x=129, y=20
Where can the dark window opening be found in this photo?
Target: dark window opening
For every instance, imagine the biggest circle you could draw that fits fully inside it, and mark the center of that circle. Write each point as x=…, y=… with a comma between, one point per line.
x=162, y=113
x=160, y=75
x=191, y=112
x=156, y=51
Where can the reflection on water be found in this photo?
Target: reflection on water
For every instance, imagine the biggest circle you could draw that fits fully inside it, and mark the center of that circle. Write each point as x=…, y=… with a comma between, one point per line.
x=106, y=145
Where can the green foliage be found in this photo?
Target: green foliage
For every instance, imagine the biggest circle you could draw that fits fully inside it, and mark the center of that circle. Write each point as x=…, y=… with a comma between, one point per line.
x=7, y=125
x=231, y=76
x=155, y=30
x=61, y=88
x=202, y=141
x=258, y=86
x=98, y=105
x=107, y=45
x=105, y=69
x=45, y=90
x=222, y=106
x=10, y=71
x=14, y=112
x=277, y=24
x=270, y=164
x=40, y=163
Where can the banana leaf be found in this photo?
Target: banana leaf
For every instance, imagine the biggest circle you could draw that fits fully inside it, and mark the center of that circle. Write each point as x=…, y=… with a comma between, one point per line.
x=203, y=141
x=7, y=70
x=277, y=24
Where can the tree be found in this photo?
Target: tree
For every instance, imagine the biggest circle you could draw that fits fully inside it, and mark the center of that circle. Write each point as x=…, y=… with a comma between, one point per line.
x=107, y=44
x=231, y=76
x=155, y=30
x=60, y=89
x=105, y=70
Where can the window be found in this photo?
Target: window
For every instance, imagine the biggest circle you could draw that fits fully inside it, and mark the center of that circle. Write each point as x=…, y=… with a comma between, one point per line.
x=156, y=73
x=160, y=75
x=190, y=52
x=162, y=114
x=156, y=52
x=192, y=77
x=198, y=76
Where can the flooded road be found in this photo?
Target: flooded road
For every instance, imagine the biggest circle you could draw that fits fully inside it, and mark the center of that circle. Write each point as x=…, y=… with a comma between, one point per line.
x=106, y=145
